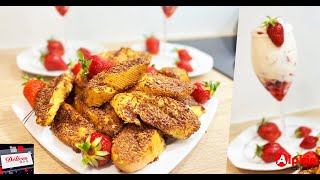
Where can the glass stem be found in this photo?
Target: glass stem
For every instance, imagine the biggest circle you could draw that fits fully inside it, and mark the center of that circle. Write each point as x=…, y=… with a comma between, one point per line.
x=165, y=24
x=283, y=119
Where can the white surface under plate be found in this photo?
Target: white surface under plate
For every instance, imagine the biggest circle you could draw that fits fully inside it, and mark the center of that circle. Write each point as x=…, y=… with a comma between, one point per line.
x=175, y=152
x=29, y=60
x=241, y=150
x=201, y=62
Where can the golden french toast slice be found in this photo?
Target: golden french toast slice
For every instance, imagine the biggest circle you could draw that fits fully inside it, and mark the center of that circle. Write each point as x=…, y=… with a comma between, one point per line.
x=51, y=97
x=102, y=87
x=166, y=114
x=162, y=85
x=194, y=106
x=175, y=72
x=135, y=147
x=80, y=83
x=105, y=119
x=70, y=127
x=124, y=54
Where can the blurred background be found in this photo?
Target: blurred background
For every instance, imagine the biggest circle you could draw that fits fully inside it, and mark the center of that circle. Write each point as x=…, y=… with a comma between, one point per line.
x=25, y=26
x=209, y=29
x=250, y=100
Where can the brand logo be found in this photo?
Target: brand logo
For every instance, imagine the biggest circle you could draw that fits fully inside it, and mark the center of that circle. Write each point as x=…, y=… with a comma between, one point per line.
x=286, y=159
x=16, y=160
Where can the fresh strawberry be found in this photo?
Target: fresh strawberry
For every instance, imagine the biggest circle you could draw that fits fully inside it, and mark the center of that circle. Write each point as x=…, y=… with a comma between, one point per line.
x=270, y=151
x=268, y=131
x=275, y=31
x=86, y=53
x=152, y=69
x=32, y=88
x=55, y=47
x=95, y=65
x=184, y=55
x=302, y=131
x=54, y=62
x=153, y=45
x=96, y=150
x=204, y=91
x=308, y=160
x=169, y=10
x=309, y=142
x=62, y=10
x=184, y=65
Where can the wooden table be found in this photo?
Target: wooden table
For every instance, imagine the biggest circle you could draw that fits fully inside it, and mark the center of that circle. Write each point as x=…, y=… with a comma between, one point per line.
x=209, y=156
x=237, y=128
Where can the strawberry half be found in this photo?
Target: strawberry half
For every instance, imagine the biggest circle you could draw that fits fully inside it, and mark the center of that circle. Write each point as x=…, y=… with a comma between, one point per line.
x=309, y=142
x=96, y=150
x=184, y=55
x=184, y=65
x=302, y=131
x=274, y=30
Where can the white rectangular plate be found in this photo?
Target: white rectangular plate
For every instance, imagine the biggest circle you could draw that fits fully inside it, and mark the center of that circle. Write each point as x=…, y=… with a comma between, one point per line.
x=175, y=152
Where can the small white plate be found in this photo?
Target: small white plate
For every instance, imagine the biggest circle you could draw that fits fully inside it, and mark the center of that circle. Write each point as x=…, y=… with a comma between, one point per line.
x=242, y=149
x=29, y=60
x=201, y=62
x=175, y=152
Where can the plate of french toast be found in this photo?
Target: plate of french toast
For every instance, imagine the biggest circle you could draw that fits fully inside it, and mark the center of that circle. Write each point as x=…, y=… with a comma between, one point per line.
x=118, y=116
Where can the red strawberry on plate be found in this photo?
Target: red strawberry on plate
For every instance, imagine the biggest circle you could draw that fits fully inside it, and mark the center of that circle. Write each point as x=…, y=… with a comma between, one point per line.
x=54, y=62
x=153, y=45
x=270, y=152
x=152, y=69
x=96, y=150
x=86, y=53
x=62, y=10
x=169, y=10
x=268, y=131
x=309, y=160
x=184, y=65
x=184, y=55
x=55, y=47
x=204, y=91
x=95, y=65
x=275, y=31
x=302, y=131
x=32, y=88
x=309, y=142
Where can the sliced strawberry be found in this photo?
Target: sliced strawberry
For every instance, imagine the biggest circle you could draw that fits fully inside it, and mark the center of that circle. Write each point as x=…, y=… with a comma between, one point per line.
x=309, y=142
x=302, y=131
x=55, y=47
x=54, y=62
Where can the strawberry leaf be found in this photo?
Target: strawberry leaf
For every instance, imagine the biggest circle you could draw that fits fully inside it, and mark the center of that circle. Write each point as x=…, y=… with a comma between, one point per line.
x=85, y=64
x=93, y=161
x=96, y=142
x=258, y=151
x=86, y=146
x=99, y=158
x=84, y=161
x=102, y=153
x=211, y=86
